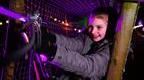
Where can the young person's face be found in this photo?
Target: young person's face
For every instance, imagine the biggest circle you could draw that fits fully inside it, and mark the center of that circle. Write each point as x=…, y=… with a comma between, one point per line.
x=98, y=26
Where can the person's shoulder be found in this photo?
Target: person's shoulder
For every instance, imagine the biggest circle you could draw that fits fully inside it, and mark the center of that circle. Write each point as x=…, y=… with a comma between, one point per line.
x=105, y=44
x=104, y=47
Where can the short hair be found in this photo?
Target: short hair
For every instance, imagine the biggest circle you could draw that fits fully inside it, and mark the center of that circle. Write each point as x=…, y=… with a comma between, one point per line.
x=112, y=19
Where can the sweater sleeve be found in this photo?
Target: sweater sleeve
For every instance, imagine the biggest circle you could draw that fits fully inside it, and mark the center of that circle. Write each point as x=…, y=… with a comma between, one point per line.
x=51, y=40
x=94, y=65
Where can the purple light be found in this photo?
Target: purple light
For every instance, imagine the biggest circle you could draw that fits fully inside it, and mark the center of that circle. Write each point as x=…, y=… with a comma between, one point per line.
x=12, y=14
x=43, y=58
x=119, y=24
x=91, y=19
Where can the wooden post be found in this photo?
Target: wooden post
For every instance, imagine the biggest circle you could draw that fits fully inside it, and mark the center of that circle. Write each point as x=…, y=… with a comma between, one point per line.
x=17, y=6
x=122, y=42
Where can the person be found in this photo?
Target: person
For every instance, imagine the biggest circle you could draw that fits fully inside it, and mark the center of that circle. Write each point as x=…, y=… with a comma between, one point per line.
x=87, y=55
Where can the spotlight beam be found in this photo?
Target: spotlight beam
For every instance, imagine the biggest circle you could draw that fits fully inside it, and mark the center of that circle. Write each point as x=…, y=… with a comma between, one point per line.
x=12, y=14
